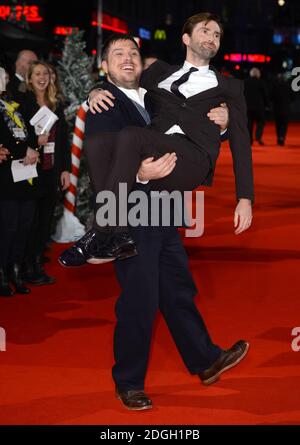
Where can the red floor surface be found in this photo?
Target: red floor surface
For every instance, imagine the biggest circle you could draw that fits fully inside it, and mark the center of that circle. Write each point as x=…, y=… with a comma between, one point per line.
x=57, y=365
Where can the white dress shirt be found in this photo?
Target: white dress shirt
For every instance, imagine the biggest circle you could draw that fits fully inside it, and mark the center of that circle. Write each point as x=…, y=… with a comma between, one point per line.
x=201, y=80
x=135, y=95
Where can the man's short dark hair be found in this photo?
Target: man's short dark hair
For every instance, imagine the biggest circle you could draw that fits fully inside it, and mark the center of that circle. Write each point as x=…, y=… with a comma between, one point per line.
x=206, y=17
x=115, y=38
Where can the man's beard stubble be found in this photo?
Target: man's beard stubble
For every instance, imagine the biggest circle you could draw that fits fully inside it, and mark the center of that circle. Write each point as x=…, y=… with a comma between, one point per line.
x=131, y=84
x=205, y=53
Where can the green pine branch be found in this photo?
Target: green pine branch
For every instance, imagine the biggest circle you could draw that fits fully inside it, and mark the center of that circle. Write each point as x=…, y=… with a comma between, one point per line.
x=75, y=69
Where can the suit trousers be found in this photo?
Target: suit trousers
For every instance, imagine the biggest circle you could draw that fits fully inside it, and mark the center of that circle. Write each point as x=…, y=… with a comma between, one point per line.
x=115, y=158
x=258, y=117
x=157, y=279
x=281, y=125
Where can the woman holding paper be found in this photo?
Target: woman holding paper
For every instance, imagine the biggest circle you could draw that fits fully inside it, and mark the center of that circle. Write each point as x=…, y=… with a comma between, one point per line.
x=45, y=111
x=17, y=189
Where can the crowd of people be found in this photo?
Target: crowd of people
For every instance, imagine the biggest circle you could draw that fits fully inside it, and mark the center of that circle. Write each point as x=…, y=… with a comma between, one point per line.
x=27, y=206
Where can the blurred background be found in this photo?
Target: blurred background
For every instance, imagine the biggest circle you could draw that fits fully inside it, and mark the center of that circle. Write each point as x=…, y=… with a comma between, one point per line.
x=261, y=33
x=264, y=32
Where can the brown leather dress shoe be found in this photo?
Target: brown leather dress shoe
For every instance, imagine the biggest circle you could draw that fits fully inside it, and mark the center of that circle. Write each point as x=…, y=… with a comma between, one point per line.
x=227, y=360
x=134, y=399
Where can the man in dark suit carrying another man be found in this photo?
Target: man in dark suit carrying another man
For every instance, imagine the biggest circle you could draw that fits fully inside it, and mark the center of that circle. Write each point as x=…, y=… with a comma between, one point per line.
x=179, y=99
x=159, y=276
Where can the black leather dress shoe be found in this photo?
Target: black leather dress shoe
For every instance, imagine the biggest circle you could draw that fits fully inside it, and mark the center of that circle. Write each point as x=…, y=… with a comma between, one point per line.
x=17, y=281
x=119, y=246
x=6, y=291
x=133, y=399
x=81, y=251
x=229, y=358
x=35, y=273
x=41, y=280
x=22, y=289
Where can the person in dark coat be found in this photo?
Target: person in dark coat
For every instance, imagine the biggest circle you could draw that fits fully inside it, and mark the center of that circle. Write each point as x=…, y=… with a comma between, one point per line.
x=281, y=99
x=257, y=100
x=18, y=142
x=159, y=277
x=17, y=82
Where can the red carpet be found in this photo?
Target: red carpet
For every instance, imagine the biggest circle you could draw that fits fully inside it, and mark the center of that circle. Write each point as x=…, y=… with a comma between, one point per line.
x=57, y=366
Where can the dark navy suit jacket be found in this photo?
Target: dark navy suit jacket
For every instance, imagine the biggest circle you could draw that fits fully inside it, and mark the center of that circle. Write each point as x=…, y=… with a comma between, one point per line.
x=123, y=114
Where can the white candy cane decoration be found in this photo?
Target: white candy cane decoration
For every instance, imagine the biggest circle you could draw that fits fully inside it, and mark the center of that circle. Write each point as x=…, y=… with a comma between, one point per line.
x=78, y=135
x=69, y=227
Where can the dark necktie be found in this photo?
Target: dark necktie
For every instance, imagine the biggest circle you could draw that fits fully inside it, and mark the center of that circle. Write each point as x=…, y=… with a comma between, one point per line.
x=184, y=78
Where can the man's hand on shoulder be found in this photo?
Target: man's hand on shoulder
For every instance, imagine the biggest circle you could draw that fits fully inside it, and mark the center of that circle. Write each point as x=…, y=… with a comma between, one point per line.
x=100, y=100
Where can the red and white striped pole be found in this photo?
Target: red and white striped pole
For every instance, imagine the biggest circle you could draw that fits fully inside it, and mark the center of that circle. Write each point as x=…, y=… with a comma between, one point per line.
x=76, y=149
x=69, y=228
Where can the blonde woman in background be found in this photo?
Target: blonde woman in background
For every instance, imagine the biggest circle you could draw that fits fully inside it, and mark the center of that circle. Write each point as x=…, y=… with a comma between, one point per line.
x=54, y=166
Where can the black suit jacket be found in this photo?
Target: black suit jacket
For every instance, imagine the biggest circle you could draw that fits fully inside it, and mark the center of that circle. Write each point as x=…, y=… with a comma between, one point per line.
x=256, y=94
x=190, y=114
x=16, y=88
x=123, y=114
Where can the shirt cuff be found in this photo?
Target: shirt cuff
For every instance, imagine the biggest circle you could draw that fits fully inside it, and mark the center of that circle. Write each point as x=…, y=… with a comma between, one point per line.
x=139, y=181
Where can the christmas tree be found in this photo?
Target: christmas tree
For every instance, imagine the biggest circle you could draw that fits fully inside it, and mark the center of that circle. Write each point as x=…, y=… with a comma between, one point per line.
x=76, y=72
x=75, y=69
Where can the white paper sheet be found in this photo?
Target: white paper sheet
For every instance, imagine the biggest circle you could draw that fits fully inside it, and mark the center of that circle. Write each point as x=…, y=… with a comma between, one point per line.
x=43, y=120
x=22, y=172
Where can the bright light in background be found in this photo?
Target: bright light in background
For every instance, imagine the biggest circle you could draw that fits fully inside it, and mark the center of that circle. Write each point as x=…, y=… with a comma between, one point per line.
x=277, y=39
x=144, y=34
x=281, y=2
x=29, y=13
x=252, y=58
